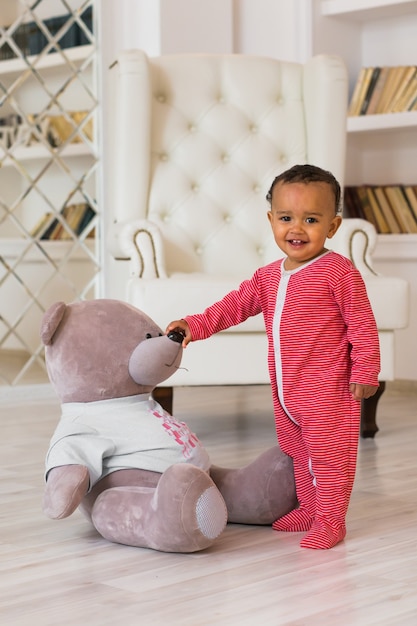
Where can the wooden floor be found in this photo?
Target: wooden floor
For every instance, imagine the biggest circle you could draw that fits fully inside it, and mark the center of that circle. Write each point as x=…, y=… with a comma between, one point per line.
x=59, y=573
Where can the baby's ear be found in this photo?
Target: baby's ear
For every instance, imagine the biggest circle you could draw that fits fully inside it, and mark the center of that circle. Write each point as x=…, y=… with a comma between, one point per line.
x=334, y=226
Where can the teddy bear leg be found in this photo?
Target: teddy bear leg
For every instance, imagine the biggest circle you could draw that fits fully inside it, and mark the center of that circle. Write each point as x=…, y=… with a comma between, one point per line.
x=119, y=478
x=261, y=492
x=185, y=512
x=66, y=486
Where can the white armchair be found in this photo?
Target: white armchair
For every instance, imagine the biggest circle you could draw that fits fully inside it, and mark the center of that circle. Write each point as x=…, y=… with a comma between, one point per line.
x=198, y=140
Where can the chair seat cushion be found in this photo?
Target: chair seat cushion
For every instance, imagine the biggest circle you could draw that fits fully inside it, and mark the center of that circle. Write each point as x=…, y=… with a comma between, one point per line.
x=185, y=294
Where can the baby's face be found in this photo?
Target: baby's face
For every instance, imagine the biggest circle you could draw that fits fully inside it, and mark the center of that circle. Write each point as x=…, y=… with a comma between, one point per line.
x=302, y=217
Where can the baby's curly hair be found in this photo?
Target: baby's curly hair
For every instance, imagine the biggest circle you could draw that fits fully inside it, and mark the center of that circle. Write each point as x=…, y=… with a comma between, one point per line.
x=308, y=174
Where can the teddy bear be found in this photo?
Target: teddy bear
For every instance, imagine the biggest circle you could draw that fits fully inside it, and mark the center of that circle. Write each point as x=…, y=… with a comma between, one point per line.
x=140, y=476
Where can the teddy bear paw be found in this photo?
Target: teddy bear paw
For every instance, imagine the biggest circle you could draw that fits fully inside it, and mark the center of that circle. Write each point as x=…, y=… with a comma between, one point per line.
x=65, y=487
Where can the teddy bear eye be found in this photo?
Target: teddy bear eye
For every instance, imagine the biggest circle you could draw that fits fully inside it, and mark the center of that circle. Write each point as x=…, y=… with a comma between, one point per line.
x=148, y=336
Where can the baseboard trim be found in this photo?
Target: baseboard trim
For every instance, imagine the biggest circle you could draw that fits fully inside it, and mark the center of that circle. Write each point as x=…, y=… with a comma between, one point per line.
x=27, y=393
x=402, y=386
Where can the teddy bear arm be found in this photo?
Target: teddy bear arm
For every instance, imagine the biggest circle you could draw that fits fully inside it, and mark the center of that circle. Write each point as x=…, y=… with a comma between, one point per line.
x=66, y=486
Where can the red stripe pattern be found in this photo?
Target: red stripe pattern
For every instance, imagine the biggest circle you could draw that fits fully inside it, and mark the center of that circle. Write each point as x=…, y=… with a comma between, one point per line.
x=328, y=338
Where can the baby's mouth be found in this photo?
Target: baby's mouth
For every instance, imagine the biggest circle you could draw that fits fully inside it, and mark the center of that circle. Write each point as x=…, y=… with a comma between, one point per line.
x=296, y=242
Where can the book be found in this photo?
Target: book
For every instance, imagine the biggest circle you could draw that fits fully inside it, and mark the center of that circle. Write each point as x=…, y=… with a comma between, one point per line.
x=85, y=128
x=359, y=91
x=393, y=83
x=75, y=214
x=413, y=105
x=378, y=89
x=56, y=232
x=410, y=192
x=382, y=224
x=409, y=94
x=36, y=39
x=369, y=91
x=352, y=206
x=31, y=39
x=21, y=38
x=387, y=89
x=414, y=187
x=89, y=214
x=354, y=100
x=41, y=224
x=401, y=209
x=49, y=229
x=55, y=228
x=367, y=209
x=61, y=128
x=385, y=206
x=397, y=102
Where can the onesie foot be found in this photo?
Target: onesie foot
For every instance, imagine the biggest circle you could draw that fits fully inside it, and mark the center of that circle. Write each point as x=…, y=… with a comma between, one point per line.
x=322, y=536
x=296, y=521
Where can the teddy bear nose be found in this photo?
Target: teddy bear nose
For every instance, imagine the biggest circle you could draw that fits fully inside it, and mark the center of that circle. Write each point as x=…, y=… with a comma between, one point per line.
x=176, y=335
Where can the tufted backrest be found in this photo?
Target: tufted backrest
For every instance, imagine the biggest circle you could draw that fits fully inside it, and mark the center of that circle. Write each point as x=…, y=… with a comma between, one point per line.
x=200, y=139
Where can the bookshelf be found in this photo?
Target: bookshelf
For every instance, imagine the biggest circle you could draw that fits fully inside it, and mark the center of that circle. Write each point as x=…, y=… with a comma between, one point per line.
x=381, y=149
x=10, y=67
x=383, y=122
x=39, y=152
x=48, y=164
x=373, y=33
x=365, y=10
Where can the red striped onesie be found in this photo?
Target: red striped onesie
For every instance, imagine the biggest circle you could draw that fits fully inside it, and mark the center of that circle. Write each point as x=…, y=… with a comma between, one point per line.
x=322, y=336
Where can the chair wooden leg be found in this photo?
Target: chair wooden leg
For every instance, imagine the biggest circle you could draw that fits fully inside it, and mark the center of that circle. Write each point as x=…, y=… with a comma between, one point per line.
x=165, y=397
x=369, y=426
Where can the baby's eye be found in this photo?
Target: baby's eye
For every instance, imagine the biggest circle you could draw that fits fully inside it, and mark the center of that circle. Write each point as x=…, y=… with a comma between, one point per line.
x=311, y=220
x=285, y=218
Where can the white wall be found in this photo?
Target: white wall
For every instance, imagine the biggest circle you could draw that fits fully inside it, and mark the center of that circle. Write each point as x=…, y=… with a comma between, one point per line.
x=275, y=28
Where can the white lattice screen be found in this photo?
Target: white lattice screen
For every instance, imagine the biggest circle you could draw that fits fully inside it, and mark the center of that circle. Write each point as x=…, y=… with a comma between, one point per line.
x=49, y=217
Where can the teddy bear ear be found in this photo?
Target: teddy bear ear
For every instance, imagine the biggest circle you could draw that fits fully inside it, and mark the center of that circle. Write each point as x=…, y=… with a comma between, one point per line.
x=51, y=320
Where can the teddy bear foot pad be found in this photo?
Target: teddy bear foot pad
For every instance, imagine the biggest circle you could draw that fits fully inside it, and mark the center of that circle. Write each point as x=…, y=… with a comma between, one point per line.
x=185, y=513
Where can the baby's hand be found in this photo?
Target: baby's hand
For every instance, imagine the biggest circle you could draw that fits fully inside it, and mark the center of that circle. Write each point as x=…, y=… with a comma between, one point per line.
x=361, y=392
x=183, y=327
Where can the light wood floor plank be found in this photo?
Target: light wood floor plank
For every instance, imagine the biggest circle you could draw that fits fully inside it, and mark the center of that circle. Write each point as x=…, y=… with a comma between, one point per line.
x=62, y=573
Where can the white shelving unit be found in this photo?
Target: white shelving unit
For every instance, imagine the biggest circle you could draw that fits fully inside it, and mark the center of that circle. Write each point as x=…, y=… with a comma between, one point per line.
x=365, y=10
x=382, y=149
x=39, y=152
x=17, y=66
x=382, y=122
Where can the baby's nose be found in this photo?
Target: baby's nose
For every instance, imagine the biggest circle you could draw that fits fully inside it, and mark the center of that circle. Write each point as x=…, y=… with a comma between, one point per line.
x=297, y=225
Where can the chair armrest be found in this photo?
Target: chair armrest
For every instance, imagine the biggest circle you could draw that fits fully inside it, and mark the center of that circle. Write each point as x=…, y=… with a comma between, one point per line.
x=141, y=242
x=356, y=239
